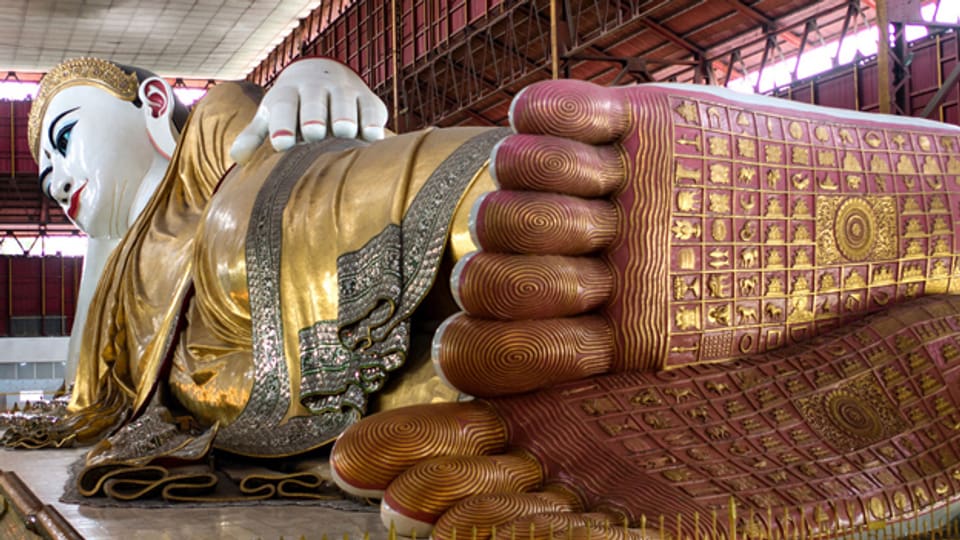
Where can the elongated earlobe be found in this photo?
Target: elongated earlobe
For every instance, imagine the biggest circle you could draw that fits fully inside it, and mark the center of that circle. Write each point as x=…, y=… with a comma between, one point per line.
x=158, y=106
x=154, y=96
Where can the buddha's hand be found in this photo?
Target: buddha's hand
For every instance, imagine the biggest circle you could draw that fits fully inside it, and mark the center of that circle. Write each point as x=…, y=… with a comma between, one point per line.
x=311, y=99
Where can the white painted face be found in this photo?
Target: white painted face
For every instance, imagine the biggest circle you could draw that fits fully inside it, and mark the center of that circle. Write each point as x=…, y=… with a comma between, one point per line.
x=94, y=153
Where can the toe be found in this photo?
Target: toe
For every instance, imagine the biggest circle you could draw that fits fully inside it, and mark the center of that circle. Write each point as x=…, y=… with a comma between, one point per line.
x=488, y=358
x=542, y=223
x=551, y=164
x=371, y=453
x=508, y=287
x=568, y=108
x=421, y=494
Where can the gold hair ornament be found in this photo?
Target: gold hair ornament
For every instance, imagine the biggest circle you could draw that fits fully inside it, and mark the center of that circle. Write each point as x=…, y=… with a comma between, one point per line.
x=90, y=71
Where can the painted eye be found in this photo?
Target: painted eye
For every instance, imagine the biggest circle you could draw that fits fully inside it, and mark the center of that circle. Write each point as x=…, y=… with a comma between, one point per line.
x=63, y=138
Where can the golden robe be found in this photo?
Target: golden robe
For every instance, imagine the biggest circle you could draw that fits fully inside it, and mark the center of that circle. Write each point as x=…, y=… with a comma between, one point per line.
x=275, y=306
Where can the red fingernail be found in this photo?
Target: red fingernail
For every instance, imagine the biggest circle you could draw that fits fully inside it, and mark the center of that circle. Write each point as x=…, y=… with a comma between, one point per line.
x=282, y=133
x=314, y=123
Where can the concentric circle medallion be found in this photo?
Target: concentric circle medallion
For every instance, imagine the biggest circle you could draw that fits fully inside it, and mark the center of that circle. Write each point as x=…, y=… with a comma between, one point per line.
x=853, y=416
x=856, y=229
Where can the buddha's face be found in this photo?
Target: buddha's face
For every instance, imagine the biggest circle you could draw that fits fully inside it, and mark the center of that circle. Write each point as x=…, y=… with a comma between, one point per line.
x=94, y=152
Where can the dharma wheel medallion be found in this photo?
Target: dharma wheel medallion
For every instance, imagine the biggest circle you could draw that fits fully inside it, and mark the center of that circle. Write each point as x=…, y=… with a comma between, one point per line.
x=854, y=415
x=856, y=228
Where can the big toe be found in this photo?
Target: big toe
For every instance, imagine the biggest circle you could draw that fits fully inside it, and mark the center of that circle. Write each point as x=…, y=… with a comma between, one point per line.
x=371, y=453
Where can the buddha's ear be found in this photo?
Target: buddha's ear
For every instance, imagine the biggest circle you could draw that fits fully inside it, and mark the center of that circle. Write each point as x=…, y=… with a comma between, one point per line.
x=158, y=104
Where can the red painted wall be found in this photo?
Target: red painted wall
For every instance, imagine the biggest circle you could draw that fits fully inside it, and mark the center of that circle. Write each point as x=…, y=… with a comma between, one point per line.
x=15, y=158
x=39, y=287
x=855, y=87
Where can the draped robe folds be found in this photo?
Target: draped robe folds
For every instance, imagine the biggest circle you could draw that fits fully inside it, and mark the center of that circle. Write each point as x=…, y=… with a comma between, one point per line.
x=305, y=266
x=134, y=312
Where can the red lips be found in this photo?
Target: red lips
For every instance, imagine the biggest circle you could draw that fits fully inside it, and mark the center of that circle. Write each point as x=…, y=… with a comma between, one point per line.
x=75, y=202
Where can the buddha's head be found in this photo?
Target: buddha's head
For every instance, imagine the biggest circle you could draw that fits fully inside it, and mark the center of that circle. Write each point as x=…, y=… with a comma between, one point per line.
x=97, y=130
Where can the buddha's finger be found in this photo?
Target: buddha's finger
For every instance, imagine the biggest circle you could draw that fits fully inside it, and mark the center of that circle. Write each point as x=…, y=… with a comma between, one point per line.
x=373, y=117
x=314, y=113
x=344, y=112
x=542, y=223
x=489, y=358
x=498, y=286
x=573, y=109
x=552, y=164
x=282, y=106
x=482, y=516
x=416, y=499
x=400, y=438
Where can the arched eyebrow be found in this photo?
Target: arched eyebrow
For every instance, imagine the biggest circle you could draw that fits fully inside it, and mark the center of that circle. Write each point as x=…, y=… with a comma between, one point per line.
x=54, y=124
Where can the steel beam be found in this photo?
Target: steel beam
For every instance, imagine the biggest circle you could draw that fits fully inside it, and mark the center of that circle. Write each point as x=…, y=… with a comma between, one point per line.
x=771, y=42
x=670, y=36
x=529, y=69
x=946, y=87
x=763, y=20
x=807, y=28
x=759, y=37
x=901, y=70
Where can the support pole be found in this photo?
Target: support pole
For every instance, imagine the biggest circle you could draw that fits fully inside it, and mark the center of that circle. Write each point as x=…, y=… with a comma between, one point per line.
x=43, y=291
x=883, y=56
x=554, y=42
x=9, y=293
x=63, y=296
x=13, y=141
x=396, y=67
x=939, y=66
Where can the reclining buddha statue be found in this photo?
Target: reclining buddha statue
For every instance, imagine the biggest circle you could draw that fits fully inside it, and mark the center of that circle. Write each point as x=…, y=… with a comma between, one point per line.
x=672, y=299
x=95, y=126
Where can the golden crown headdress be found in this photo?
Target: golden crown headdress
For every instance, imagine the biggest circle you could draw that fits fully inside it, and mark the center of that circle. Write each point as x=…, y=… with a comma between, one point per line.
x=90, y=71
